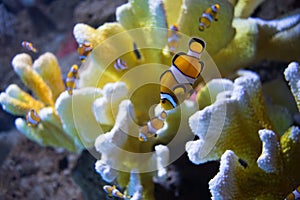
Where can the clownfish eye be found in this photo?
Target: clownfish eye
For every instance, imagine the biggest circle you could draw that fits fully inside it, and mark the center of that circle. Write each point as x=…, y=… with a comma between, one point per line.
x=163, y=101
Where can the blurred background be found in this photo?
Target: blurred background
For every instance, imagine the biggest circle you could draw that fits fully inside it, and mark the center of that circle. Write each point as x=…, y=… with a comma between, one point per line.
x=29, y=171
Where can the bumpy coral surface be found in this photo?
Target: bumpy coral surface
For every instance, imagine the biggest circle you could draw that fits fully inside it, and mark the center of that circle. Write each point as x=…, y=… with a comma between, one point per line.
x=254, y=147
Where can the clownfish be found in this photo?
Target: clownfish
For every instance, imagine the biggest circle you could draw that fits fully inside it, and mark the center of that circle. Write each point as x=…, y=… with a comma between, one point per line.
x=294, y=195
x=173, y=38
x=28, y=46
x=112, y=191
x=137, y=53
x=150, y=130
x=32, y=118
x=208, y=16
x=120, y=64
x=177, y=83
x=71, y=77
x=84, y=50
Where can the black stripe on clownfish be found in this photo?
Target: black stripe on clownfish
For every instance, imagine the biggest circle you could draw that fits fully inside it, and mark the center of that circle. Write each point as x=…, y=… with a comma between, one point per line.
x=208, y=16
x=177, y=83
x=32, y=118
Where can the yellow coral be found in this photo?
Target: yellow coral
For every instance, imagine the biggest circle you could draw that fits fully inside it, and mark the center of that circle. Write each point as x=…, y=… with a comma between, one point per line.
x=44, y=79
x=22, y=64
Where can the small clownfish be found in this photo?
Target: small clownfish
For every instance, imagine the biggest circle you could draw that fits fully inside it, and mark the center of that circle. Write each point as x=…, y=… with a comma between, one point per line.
x=71, y=77
x=137, y=53
x=177, y=83
x=84, y=50
x=173, y=38
x=28, y=46
x=32, y=118
x=120, y=65
x=150, y=130
x=294, y=195
x=208, y=16
x=112, y=191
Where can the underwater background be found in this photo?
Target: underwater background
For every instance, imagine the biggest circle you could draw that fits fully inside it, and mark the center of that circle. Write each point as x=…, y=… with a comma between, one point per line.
x=29, y=170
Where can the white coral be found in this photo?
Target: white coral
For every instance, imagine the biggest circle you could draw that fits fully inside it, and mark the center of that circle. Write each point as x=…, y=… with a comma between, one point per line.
x=292, y=75
x=105, y=108
x=270, y=158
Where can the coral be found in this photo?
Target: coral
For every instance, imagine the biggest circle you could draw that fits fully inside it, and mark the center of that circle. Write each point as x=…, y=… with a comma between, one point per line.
x=292, y=75
x=75, y=113
x=277, y=180
x=247, y=40
x=109, y=106
x=239, y=108
x=145, y=23
x=121, y=151
x=254, y=146
x=43, y=78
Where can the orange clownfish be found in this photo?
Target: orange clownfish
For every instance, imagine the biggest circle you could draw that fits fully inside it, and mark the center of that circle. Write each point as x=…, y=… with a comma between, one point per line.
x=294, y=195
x=28, y=46
x=120, y=64
x=71, y=77
x=112, y=191
x=32, y=118
x=150, y=130
x=173, y=38
x=84, y=50
x=177, y=83
x=208, y=16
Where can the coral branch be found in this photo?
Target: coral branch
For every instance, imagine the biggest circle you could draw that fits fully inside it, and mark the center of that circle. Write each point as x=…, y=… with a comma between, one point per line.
x=244, y=8
x=22, y=66
x=270, y=159
x=76, y=112
x=292, y=75
x=48, y=68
